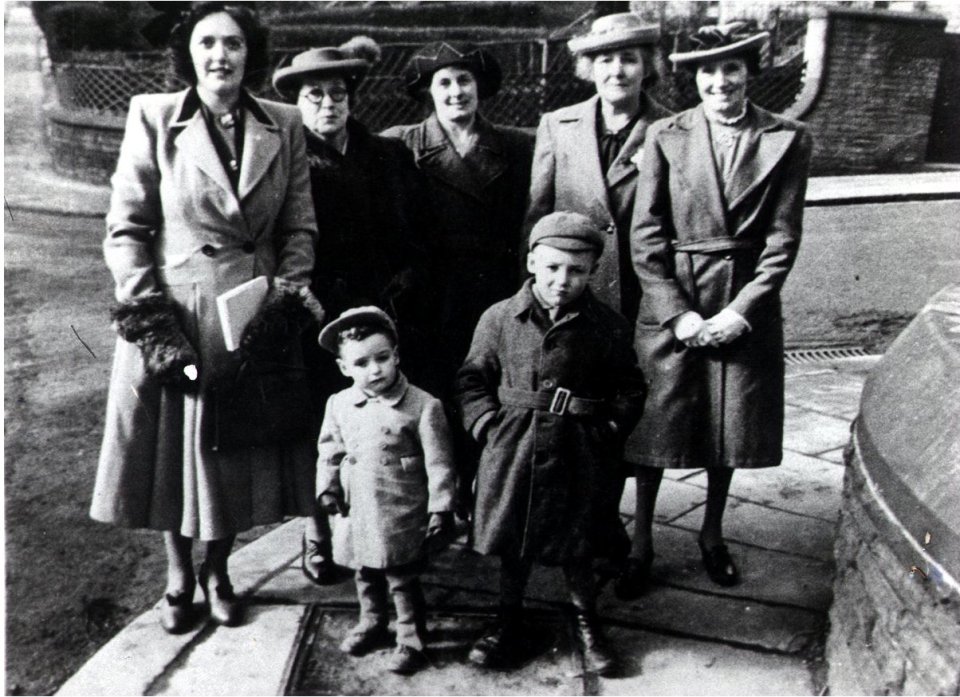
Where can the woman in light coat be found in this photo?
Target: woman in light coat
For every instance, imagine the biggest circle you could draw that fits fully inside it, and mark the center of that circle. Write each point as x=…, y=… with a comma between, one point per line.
x=716, y=228
x=211, y=190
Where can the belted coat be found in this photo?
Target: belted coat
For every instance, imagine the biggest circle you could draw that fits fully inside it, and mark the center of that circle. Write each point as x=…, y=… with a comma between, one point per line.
x=567, y=176
x=543, y=476
x=703, y=244
x=177, y=226
x=477, y=203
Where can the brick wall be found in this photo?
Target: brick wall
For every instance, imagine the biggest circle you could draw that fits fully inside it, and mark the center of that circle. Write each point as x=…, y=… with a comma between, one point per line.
x=892, y=632
x=872, y=113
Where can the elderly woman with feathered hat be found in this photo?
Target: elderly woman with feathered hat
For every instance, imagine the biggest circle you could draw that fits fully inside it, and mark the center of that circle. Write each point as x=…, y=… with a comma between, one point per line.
x=716, y=228
x=368, y=203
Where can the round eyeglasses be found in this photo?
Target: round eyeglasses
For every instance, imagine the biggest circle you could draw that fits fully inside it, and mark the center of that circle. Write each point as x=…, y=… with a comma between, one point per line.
x=315, y=95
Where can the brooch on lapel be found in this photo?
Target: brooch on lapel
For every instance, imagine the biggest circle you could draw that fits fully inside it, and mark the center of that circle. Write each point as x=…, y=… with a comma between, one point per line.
x=636, y=157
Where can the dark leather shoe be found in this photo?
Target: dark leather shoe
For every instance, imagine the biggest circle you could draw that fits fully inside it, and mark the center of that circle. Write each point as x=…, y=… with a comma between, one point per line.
x=719, y=565
x=362, y=640
x=597, y=657
x=316, y=566
x=224, y=605
x=499, y=646
x=634, y=580
x=176, y=612
x=406, y=660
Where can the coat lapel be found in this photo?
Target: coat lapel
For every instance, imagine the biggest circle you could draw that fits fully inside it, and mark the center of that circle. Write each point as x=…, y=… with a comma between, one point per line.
x=688, y=148
x=194, y=143
x=625, y=163
x=586, y=153
x=261, y=143
x=763, y=153
x=438, y=158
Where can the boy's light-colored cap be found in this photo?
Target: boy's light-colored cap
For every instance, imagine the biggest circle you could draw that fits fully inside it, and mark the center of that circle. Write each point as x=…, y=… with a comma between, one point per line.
x=367, y=314
x=571, y=232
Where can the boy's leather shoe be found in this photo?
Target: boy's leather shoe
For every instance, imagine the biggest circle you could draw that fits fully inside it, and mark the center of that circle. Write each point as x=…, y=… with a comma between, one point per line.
x=362, y=640
x=499, y=647
x=406, y=660
x=597, y=657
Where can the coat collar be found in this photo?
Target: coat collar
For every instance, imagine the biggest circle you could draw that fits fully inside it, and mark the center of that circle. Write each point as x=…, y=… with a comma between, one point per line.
x=625, y=163
x=687, y=145
x=261, y=141
x=524, y=303
x=483, y=166
x=391, y=397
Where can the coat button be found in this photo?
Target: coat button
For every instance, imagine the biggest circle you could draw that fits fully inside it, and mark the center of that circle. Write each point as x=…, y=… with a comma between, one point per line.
x=611, y=228
x=249, y=247
x=727, y=257
x=208, y=250
x=548, y=384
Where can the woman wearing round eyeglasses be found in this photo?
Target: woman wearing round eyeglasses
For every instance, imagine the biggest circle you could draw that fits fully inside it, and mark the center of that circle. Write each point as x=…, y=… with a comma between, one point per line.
x=368, y=203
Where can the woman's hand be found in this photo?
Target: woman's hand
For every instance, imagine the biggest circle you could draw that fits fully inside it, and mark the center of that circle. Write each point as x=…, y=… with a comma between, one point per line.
x=724, y=327
x=689, y=329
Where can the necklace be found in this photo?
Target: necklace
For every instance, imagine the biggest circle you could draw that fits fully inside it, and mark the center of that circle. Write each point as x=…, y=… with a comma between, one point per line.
x=729, y=120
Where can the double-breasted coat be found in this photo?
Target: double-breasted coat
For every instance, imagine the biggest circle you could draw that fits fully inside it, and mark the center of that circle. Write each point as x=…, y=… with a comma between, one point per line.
x=703, y=244
x=542, y=475
x=477, y=203
x=568, y=176
x=390, y=458
x=177, y=226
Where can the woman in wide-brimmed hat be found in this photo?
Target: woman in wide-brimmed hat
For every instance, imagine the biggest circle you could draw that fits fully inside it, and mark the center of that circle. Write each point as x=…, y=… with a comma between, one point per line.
x=586, y=160
x=477, y=176
x=368, y=203
x=717, y=223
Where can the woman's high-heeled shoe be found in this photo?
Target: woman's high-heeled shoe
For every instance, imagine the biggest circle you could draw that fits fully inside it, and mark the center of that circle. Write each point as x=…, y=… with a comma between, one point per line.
x=719, y=564
x=634, y=580
x=225, y=608
x=176, y=612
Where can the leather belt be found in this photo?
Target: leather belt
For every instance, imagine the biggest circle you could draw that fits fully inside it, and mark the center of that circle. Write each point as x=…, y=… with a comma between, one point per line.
x=561, y=401
x=715, y=244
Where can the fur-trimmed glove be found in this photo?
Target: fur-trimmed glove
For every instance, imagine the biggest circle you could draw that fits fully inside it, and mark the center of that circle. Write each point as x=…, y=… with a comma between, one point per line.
x=286, y=311
x=150, y=321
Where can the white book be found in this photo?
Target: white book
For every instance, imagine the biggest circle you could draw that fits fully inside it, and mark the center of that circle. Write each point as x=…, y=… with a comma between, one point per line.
x=237, y=307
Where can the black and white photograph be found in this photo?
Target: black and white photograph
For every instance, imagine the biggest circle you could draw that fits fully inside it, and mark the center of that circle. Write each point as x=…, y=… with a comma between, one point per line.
x=481, y=347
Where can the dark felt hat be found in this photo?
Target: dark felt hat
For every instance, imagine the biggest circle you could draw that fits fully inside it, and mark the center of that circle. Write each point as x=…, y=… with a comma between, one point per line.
x=716, y=42
x=444, y=54
x=353, y=317
x=571, y=232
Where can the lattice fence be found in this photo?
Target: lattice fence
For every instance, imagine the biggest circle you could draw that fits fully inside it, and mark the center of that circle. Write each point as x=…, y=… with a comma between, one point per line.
x=538, y=77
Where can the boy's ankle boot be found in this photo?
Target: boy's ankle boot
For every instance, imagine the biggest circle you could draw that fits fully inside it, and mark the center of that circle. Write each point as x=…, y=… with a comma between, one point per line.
x=597, y=657
x=498, y=647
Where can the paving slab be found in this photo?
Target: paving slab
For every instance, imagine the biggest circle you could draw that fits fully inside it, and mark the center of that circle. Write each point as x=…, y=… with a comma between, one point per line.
x=662, y=665
x=247, y=660
x=760, y=526
x=834, y=393
x=674, y=500
x=810, y=432
x=802, y=484
x=768, y=576
x=834, y=456
x=552, y=667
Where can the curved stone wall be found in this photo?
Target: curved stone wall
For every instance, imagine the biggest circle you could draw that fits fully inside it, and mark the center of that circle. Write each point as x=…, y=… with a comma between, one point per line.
x=895, y=620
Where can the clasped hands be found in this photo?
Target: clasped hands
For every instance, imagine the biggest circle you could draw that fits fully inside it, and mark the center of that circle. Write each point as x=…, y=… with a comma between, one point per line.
x=695, y=331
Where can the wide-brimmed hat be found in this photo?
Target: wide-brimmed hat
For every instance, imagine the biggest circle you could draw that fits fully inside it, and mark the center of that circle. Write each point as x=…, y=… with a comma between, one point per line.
x=444, y=54
x=351, y=61
x=619, y=30
x=368, y=314
x=721, y=41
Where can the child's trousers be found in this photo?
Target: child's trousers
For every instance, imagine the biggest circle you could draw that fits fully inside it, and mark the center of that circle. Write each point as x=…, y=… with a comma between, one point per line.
x=403, y=583
x=515, y=572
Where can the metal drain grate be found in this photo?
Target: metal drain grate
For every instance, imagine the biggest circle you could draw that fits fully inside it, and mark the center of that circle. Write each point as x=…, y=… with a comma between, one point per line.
x=815, y=355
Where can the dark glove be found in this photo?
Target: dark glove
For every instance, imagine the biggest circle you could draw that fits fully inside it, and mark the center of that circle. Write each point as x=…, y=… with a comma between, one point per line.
x=440, y=531
x=286, y=311
x=150, y=322
x=332, y=504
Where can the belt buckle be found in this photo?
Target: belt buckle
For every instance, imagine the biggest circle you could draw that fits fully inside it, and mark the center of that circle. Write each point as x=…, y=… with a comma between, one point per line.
x=560, y=401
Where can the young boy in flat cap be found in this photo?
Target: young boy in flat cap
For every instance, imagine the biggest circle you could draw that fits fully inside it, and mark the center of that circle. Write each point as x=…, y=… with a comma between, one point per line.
x=385, y=461
x=551, y=389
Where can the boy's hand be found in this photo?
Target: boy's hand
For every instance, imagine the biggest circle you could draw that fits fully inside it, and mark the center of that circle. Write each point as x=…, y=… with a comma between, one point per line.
x=333, y=504
x=440, y=531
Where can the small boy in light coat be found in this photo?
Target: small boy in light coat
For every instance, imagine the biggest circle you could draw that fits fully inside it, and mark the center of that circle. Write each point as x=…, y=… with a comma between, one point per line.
x=551, y=388
x=386, y=465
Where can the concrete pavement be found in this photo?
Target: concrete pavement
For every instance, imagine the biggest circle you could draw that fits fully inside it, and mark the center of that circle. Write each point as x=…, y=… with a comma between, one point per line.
x=687, y=636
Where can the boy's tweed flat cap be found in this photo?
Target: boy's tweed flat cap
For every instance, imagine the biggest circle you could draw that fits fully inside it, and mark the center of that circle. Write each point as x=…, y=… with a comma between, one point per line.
x=571, y=232
x=351, y=318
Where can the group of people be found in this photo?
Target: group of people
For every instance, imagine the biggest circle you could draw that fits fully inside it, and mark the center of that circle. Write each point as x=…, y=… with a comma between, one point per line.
x=647, y=336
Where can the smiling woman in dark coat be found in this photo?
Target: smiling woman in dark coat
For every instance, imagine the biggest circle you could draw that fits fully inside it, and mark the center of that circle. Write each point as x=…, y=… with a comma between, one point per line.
x=716, y=229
